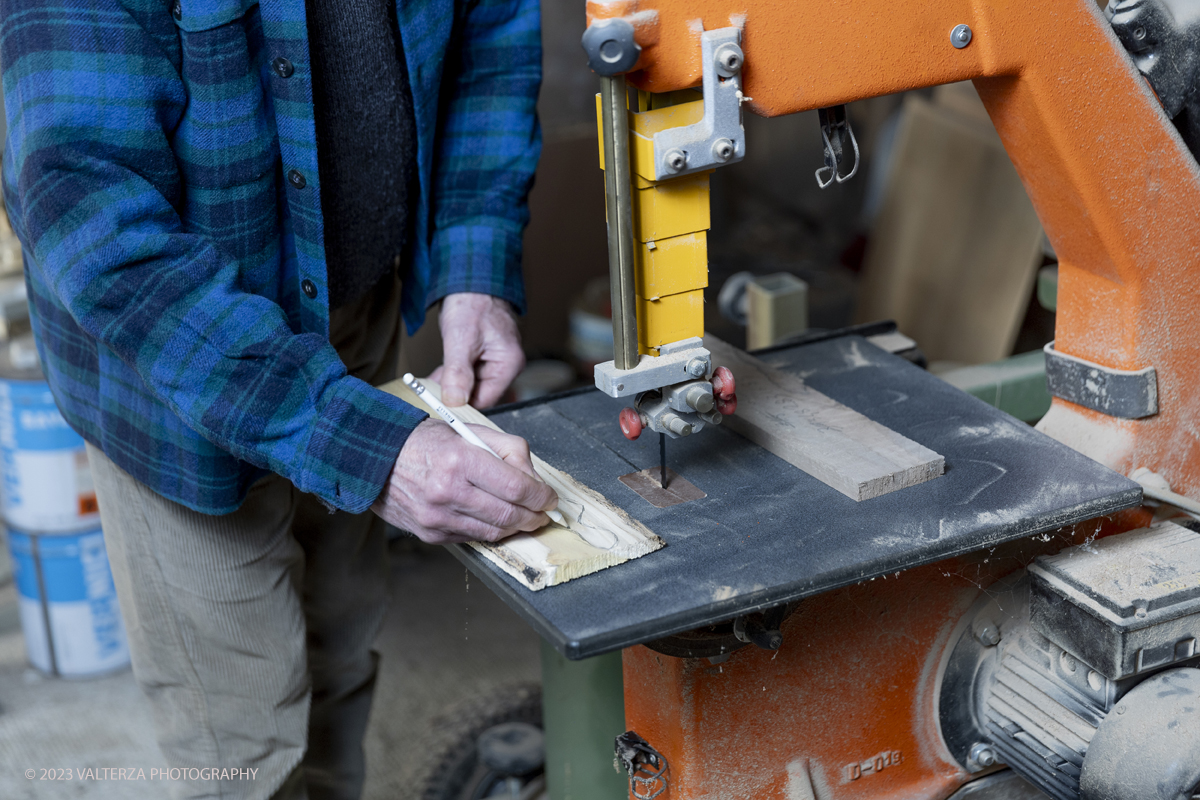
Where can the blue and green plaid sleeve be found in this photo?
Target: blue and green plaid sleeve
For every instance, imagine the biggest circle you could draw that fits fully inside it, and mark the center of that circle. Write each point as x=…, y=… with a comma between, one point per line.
x=487, y=152
x=151, y=214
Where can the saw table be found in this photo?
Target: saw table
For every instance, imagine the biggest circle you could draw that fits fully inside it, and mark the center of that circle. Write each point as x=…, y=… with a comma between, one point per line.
x=768, y=534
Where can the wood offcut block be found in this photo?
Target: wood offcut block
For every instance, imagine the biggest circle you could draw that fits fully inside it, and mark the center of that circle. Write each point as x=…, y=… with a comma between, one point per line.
x=776, y=308
x=831, y=442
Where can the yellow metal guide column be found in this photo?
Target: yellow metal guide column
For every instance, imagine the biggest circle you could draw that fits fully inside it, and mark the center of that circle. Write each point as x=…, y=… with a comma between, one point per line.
x=670, y=223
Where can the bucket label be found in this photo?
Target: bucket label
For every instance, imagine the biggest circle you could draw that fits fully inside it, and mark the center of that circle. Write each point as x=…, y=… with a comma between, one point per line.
x=29, y=419
x=80, y=602
x=47, y=484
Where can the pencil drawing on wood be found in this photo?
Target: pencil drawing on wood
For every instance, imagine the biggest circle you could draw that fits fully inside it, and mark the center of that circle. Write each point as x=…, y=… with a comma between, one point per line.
x=598, y=535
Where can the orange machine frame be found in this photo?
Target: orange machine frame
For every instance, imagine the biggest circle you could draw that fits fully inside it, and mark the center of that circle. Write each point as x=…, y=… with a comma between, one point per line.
x=1110, y=178
x=1119, y=196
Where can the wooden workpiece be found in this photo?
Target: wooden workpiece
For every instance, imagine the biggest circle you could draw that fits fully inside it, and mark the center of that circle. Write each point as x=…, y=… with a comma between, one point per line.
x=835, y=444
x=600, y=534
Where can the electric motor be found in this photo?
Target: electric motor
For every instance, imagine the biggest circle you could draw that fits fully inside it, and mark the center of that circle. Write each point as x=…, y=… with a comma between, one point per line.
x=1060, y=671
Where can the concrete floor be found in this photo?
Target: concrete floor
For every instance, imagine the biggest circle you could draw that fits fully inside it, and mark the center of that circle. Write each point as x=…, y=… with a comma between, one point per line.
x=446, y=638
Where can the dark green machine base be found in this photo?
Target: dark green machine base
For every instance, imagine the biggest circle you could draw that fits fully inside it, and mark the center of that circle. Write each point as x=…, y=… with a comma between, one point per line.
x=583, y=707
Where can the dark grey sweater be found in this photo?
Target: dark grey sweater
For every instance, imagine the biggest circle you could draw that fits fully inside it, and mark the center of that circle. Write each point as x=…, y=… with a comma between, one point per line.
x=366, y=140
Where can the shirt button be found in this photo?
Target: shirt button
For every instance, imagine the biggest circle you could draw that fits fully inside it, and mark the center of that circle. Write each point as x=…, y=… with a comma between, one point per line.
x=176, y=10
x=309, y=288
x=283, y=68
x=296, y=179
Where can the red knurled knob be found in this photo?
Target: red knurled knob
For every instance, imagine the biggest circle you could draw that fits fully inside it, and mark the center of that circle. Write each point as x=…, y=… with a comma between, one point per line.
x=631, y=423
x=726, y=405
x=723, y=383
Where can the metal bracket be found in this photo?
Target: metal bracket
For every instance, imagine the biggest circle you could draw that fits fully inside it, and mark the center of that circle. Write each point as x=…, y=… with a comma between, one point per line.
x=685, y=360
x=662, y=417
x=718, y=139
x=1118, y=393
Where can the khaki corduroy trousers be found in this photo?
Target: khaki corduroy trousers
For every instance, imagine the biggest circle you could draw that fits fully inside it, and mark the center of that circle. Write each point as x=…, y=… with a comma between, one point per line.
x=251, y=632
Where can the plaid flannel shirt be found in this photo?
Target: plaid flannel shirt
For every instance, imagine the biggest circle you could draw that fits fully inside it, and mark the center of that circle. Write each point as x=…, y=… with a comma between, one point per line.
x=161, y=173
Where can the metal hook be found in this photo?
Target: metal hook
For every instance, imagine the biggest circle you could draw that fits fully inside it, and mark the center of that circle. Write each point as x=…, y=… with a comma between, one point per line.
x=834, y=122
x=647, y=768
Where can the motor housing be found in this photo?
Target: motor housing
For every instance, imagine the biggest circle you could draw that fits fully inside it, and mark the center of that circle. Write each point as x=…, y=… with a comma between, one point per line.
x=1044, y=658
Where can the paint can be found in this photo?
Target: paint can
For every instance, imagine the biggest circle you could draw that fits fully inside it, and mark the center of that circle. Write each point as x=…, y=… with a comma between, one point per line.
x=47, y=484
x=68, y=603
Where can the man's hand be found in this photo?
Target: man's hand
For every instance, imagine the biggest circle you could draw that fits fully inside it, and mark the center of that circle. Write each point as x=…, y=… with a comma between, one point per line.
x=481, y=349
x=445, y=490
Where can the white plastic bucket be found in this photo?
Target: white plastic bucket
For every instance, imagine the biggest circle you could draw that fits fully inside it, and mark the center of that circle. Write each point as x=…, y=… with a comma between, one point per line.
x=68, y=603
x=47, y=484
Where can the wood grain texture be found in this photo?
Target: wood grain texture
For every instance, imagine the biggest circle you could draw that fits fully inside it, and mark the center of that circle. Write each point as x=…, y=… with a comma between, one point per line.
x=600, y=534
x=955, y=247
x=835, y=444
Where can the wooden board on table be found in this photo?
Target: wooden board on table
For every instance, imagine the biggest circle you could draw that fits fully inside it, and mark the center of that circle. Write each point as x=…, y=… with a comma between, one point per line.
x=835, y=444
x=956, y=244
x=600, y=534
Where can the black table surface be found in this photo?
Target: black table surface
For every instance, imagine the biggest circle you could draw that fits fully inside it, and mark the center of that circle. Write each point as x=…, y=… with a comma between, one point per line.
x=768, y=533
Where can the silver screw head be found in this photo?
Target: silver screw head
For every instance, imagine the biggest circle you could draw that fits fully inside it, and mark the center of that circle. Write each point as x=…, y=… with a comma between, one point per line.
x=1139, y=33
x=982, y=756
x=1069, y=664
x=675, y=160
x=988, y=636
x=723, y=149
x=729, y=60
x=612, y=51
x=960, y=37
x=697, y=367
